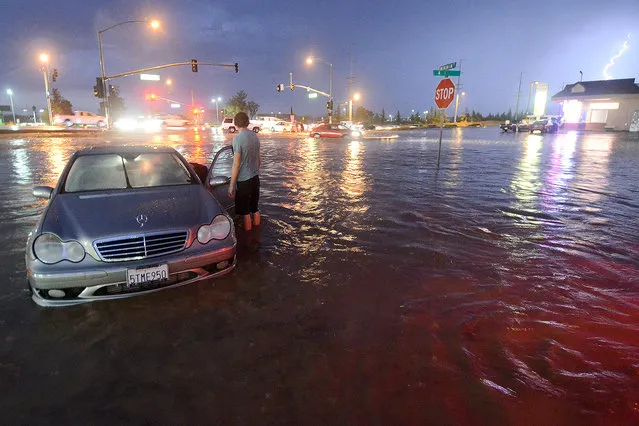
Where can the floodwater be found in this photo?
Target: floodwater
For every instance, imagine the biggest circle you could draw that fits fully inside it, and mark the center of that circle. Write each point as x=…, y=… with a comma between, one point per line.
x=502, y=288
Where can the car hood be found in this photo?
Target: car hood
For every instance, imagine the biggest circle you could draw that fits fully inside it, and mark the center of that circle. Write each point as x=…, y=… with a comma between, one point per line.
x=114, y=213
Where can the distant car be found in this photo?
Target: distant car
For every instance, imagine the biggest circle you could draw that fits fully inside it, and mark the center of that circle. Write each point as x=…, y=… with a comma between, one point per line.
x=548, y=125
x=229, y=125
x=82, y=118
x=282, y=126
x=169, y=120
x=333, y=131
x=162, y=223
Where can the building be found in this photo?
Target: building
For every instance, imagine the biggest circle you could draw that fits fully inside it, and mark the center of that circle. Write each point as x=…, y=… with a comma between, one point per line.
x=601, y=105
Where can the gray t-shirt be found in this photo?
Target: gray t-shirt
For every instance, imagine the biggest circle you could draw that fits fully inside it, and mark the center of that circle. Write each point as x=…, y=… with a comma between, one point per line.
x=248, y=145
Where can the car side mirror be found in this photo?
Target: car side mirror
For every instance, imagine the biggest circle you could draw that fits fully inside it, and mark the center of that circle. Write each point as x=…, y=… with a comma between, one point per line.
x=219, y=180
x=42, y=192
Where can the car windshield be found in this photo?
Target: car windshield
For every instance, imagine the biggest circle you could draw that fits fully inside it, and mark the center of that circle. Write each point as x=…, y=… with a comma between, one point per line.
x=115, y=171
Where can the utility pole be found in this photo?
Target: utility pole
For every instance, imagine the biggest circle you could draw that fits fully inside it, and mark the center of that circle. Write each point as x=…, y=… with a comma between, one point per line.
x=458, y=90
x=518, y=95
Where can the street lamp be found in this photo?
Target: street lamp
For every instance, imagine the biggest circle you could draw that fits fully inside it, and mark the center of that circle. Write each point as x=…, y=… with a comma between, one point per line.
x=350, y=106
x=169, y=82
x=217, y=112
x=10, y=93
x=154, y=24
x=44, y=58
x=310, y=61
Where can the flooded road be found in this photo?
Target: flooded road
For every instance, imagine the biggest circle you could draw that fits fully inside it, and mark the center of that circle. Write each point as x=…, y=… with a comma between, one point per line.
x=501, y=289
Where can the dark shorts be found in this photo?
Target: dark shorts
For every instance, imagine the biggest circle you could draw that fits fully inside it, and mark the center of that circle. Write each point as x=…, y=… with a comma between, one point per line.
x=247, y=196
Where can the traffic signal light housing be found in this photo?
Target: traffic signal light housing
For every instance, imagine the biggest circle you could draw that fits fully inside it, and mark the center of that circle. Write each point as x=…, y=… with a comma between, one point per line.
x=279, y=87
x=292, y=86
x=54, y=75
x=194, y=65
x=98, y=89
x=237, y=68
x=329, y=105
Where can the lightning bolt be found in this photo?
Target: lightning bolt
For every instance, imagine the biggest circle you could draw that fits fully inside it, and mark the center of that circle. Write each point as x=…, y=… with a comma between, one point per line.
x=624, y=47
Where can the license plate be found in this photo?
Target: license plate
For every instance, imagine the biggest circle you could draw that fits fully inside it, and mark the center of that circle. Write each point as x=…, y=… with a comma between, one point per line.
x=135, y=277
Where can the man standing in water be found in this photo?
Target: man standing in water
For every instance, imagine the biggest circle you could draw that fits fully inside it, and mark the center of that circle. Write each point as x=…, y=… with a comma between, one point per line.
x=246, y=166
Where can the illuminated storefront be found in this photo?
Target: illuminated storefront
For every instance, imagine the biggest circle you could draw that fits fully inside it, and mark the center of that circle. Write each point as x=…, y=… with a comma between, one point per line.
x=600, y=105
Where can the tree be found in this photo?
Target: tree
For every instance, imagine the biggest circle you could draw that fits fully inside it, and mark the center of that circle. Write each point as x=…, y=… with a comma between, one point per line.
x=398, y=118
x=363, y=115
x=116, y=104
x=239, y=103
x=59, y=105
x=252, y=108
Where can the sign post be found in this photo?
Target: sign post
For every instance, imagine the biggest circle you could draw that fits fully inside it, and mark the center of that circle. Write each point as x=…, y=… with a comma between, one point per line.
x=444, y=95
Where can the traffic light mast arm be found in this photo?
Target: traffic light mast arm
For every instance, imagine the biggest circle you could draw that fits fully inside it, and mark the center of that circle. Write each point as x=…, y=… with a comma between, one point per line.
x=310, y=89
x=178, y=64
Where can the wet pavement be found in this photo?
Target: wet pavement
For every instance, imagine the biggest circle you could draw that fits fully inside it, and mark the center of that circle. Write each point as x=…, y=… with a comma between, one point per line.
x=501, y=289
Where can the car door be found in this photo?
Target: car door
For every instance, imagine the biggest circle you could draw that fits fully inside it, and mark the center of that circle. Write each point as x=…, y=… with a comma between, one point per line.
x=219, y=177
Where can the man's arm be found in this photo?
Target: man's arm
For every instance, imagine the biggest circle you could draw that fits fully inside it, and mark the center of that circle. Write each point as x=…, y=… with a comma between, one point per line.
x=237, y=159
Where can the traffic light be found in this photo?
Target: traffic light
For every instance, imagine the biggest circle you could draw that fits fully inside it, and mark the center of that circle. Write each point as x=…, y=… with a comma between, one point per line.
x=98, y=89
x=279, y=87
x=194, y=65
x=54, y=75
x=292, y=86
x=329, y=105
x=237, y=68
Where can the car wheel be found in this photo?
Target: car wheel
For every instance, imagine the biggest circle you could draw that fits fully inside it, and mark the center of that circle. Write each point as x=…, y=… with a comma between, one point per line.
x=273, y=129
x=231, y=129
x=316, y=135
x=256, y=129
x=68, y=123
x=101, y=124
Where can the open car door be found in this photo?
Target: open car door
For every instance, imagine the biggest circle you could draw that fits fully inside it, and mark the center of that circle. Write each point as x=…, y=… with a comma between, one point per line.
x=219, y=177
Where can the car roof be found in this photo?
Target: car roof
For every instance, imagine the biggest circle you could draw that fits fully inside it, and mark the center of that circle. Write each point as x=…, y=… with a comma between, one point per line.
x=142, y=149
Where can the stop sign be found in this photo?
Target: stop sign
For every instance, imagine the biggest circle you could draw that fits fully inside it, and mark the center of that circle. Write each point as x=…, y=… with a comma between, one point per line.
x=444, y=93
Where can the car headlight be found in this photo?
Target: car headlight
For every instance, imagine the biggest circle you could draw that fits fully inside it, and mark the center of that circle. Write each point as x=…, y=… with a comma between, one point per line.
x=49, y=249
x=355, y=133
x=218, y=229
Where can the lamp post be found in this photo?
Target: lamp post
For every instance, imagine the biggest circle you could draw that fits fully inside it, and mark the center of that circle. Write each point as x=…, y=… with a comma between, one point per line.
x=153, y=24
x=217, y=111
x=350, y=106
x=44, y=58
x=13, y=112
x=309, y=61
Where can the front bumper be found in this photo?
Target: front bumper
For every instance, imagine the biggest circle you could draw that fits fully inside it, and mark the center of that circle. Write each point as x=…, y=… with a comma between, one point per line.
x=107, y=281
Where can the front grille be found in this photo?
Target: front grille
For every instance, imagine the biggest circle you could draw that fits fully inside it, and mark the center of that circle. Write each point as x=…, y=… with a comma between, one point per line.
x=135, y=247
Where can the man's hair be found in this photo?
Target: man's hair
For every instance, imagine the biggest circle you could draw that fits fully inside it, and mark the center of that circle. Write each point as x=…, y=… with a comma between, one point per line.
x=241, y=120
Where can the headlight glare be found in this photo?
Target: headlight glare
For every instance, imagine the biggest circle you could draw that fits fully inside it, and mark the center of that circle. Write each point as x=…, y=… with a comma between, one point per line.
x=50, y=249
x=218, y=229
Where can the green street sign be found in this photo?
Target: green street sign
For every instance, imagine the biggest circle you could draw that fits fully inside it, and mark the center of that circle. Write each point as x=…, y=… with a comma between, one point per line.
x=447, y=73
x=448, y=66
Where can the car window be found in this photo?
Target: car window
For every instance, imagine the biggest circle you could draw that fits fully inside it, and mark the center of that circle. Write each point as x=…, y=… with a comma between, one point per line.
x=228, y=120
x=96, y=172
x=223, y=164
x=155, y=169
x=113, y=171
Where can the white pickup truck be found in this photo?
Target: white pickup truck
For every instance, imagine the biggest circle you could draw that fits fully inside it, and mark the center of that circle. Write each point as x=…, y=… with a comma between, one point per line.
x=82, y=118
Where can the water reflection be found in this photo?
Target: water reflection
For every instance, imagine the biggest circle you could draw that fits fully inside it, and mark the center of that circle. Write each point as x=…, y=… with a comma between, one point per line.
x=526, y=182
x=21, y=164
x=454, y=159
x=593, y=171
x=354, y=181
x=560, y=172
x=57, y=159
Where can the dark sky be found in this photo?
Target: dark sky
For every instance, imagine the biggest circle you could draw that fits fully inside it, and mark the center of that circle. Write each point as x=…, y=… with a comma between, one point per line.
x=395, y=46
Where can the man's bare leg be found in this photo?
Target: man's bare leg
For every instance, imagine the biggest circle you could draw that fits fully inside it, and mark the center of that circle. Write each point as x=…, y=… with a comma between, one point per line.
x=256, y=218
x=247, y=222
